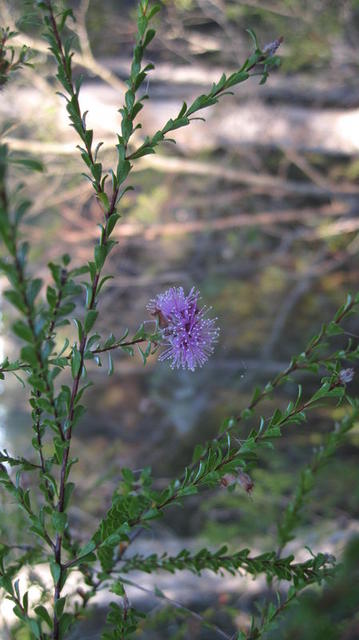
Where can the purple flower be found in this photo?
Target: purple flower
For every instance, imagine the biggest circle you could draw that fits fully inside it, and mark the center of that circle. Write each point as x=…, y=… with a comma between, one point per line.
x=188, y=335
x=346, y=375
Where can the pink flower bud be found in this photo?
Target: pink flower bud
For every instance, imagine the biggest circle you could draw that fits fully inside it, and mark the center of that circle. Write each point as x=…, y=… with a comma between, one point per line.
x=245, y=481
x=241, y=478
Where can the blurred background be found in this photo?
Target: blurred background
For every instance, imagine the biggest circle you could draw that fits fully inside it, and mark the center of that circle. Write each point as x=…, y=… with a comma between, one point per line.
x=258, y=208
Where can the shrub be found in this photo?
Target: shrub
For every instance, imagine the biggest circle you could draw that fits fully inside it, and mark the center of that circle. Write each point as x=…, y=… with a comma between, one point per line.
x=188, y=334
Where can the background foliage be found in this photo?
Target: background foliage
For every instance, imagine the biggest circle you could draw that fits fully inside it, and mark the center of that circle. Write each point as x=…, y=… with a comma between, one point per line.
x=272, y=278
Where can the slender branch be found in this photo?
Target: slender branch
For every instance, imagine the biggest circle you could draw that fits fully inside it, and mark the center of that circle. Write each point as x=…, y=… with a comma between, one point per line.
x=57, y=304
x=20, y=494
x=295, y=365
x=177, y=605
x=68, y=435
x=83, y=59
x=268, y=563
x=36, y=342
x=118, y=345
x=37, y=429
x=257, y=632
x=96, y=585
x=66, y=69
x=10, y=368
x=30, y=318
x=259, y=435
x=223, y=462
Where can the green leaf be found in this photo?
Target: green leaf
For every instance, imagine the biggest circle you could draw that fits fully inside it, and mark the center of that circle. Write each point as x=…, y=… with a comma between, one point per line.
x=142, y=151
x=80, y=331
x=127, y=349
x=22, y=331
x=155, y=9
x=171, y=125
x=18, y=612
x=110, y=364
x=272, y=432
x=33, y=290
x=86, y=553
x=21, y=209
x=197, y=453
x=69, y=487
x=200, y=103
x=90, y=320
x=159, y=593
x=59, y=521
x=68, y=13
x=128, y=475
x=151, y=514
x=75, y=362
x=59, y=606
x=100, y=256
x=65, y=622
x=29, y=163
x=111, y=222
x=55, y=571
x=51, y=296
x=15, y=299
x=79, y=271
x=104, y=200
x=29, y=355
x=118, y=589
x=35, y=628
x=254, y=38
x=103, y=280
x=140, y=333
x=43, y=614
x=150, y=34
x=236, y=78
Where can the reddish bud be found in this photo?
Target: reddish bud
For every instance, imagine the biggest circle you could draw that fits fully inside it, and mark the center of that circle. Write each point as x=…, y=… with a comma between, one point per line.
x=241, y=478
x=228, y=480
x=245, y=481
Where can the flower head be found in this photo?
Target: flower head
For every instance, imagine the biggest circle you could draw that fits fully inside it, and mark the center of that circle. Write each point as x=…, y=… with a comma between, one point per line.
x=346, y=375
x=188, y=335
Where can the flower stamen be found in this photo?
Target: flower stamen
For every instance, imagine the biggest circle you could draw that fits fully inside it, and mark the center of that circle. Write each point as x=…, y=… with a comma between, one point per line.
x=188, y=335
